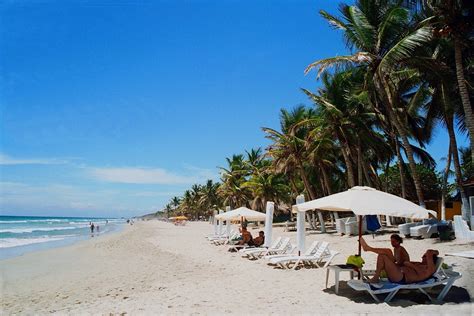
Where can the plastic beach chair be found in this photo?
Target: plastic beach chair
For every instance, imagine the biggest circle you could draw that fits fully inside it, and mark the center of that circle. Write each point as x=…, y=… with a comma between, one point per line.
x=276, y=243
x=440, y=277
x=315, y=255
x=284, y=247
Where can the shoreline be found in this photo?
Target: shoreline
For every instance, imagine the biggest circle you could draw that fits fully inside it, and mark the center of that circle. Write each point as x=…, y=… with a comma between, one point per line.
x=155, y=267
x=13, y=252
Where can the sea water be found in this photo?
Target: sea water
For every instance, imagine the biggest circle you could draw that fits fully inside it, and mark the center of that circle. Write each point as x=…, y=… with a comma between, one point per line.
x=22, y=234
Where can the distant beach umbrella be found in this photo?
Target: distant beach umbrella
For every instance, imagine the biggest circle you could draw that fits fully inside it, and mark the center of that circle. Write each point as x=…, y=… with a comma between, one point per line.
x=300, y=225
x=242, y=213
x=268, y=223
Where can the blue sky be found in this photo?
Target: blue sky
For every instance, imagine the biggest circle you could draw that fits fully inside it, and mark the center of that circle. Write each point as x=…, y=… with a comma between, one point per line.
x=110, y=108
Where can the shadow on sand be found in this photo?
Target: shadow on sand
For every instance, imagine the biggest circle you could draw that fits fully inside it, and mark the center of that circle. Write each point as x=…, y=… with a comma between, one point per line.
x=404, y=298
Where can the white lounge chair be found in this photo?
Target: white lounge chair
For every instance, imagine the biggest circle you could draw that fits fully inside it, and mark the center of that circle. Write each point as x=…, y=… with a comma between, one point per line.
x=274, y=259
x=440, y=277
x=276, y=243
x=423, y=231
x=284, y=247
x=315, y=255
x=404, y=229
x=461, y=229
x=225, y=240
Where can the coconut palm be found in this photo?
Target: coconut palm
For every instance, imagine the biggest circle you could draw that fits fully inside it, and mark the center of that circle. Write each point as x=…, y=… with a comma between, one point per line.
x=384, y=41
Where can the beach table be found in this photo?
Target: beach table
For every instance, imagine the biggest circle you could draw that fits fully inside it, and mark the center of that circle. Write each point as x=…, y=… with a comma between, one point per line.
x=338, y=269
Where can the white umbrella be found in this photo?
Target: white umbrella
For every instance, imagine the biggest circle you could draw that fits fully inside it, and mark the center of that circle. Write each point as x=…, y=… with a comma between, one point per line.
x=240, y=212
x=300, y=225
x=366, y=201
x=269, y=223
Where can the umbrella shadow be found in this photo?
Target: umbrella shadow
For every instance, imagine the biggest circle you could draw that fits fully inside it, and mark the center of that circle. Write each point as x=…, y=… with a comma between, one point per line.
x=404, y=298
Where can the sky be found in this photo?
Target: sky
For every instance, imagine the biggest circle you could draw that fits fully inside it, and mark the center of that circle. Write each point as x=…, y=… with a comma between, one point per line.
x=111, y=108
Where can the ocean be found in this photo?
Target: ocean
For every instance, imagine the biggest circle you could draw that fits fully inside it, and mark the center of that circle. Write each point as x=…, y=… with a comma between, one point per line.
x=22, y=234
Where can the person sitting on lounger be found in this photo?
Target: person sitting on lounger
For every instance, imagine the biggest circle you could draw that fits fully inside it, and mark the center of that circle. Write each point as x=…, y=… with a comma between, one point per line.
x=246, y=236
x=399, y=255
x=258, y=241
x=409, y=272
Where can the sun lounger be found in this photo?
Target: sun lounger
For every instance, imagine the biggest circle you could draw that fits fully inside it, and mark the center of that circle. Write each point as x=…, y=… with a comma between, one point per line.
x=423, y=231
x=404, y=229
x=276, y=243
x=282, y=248
x=315, y=255
x=226, y=240
x=440, y=277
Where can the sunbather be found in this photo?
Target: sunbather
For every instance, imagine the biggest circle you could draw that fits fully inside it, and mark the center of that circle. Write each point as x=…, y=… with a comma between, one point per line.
x=258, y=241
x=410, y=272
x=246, y=236
x=399, y=255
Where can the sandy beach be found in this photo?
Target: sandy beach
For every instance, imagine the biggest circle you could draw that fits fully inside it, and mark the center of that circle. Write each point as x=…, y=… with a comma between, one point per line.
x=155, y=267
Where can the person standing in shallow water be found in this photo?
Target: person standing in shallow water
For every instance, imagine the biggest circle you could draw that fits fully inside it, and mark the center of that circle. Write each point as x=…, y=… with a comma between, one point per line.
x=92, y=228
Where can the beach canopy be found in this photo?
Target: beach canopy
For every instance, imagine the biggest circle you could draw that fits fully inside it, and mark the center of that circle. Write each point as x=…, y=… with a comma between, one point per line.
x=366, y=201
x=240, y=212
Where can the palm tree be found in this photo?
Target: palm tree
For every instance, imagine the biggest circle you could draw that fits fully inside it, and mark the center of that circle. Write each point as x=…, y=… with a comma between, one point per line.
x=288, y=146
x=384, y=40
x=233, y=177
x=452, y=20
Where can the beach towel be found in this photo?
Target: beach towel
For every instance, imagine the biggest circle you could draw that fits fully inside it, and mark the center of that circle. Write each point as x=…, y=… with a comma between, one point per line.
x=372, y=223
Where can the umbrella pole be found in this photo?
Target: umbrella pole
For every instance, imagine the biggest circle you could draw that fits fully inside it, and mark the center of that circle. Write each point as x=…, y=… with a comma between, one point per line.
x=360, y=247
x=360, y=232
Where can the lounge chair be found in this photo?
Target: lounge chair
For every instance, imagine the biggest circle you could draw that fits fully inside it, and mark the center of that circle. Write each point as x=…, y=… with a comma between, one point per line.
x=310, y=250
x=225, y=240
x=284, y=247
x=440, y=277
x=315, y=255
x=276, y=243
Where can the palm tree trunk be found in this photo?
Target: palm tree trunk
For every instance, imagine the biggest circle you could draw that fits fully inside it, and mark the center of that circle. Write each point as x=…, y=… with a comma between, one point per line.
x=469, y=118
x=326, y=180
x=457, y=168
x=401, y=168
x=306, y=183
x=347, y=160
x=369, y=181
x=403, y=134
x=359, y=164
x=445, y=183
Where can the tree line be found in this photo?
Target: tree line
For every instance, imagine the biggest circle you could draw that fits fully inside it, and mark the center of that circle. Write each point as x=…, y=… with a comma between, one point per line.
x=409, y=70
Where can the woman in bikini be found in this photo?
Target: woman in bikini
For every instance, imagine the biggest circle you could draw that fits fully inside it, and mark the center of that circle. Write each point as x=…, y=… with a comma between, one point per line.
x=399, y=255
x=408, y=272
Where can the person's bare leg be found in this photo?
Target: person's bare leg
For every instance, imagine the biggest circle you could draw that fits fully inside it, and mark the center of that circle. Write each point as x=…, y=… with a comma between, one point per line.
x=385, y=263
x=380, y=251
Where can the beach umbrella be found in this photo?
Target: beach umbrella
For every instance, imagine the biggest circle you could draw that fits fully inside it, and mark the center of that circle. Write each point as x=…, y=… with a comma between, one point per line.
x=242, y=212
x=181, y=218
x=366, y=201
x=268, y=223
x=300, y=225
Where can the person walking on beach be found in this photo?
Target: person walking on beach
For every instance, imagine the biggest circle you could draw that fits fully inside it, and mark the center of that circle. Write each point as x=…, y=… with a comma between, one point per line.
x=92, y=228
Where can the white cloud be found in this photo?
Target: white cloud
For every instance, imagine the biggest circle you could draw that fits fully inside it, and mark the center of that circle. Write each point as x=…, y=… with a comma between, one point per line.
x=7, y=160
x=138, y=175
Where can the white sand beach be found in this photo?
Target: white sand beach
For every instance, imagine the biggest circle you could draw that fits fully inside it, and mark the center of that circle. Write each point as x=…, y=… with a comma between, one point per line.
x=155, y=267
